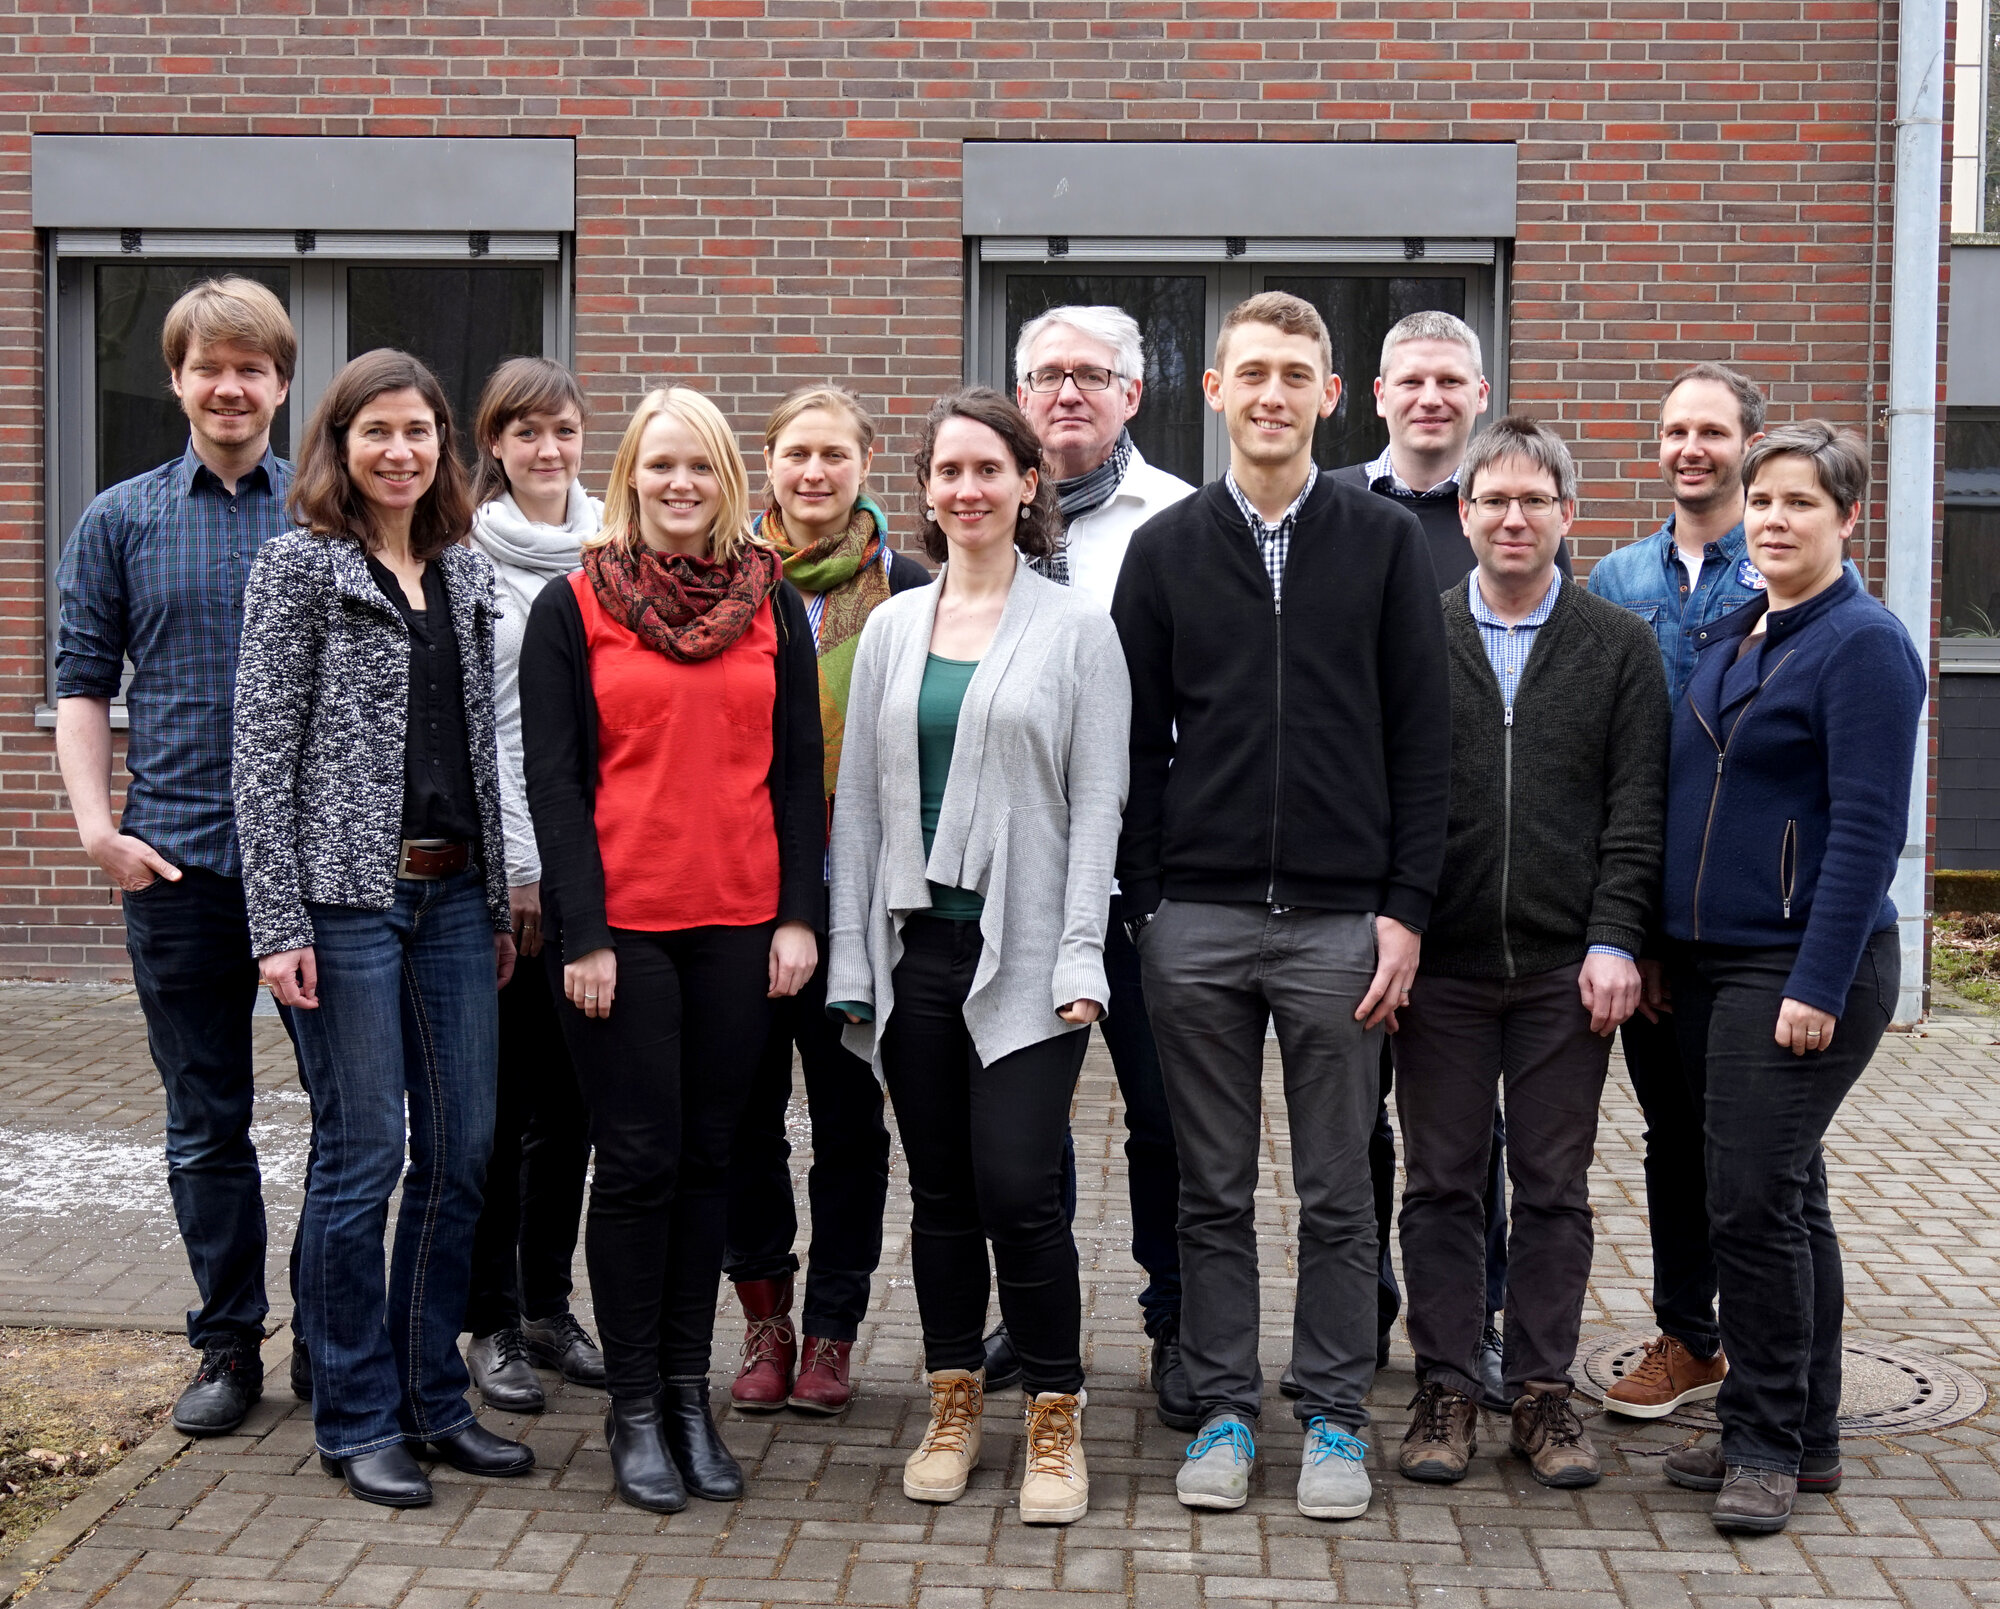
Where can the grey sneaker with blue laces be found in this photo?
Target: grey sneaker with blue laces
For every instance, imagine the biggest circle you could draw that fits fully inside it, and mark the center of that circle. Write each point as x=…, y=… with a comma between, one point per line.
x=1333, y=1482
x=1219, y=1461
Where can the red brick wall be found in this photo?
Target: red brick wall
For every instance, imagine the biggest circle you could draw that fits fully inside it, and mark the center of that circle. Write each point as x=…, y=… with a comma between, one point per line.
x=763, y=200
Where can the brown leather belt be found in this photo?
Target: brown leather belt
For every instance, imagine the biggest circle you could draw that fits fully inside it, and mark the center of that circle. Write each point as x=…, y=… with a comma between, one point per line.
x=428, y=859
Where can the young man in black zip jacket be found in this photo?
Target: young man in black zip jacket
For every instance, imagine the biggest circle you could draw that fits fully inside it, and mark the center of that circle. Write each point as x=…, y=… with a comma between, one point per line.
x=1283, y=837
x=1559, y=745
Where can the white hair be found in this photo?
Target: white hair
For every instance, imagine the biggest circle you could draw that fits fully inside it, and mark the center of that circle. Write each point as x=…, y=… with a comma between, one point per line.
x=1111, y=326
x=1433, y=325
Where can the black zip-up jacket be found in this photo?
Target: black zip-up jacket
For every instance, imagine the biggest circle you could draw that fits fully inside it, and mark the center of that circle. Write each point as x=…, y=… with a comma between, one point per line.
x=559, y=752
x=1558, y=809
x=1299, y=756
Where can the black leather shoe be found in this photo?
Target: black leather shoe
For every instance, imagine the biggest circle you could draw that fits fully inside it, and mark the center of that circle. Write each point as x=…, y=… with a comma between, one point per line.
x=1176, y=1405
x=388, y=1475
x=1288, y=1384
x=706, y=1465
x=1492, y=1388
x=562, y=1344
x=302, y=1371
x=1003, y=1363
x=474, y=1450
x=640, y=1464
x=500, y=1367
x=223, y=1390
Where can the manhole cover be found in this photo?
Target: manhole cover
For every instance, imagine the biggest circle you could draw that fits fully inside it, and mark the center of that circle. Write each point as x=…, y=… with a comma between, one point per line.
x=1884, y=1388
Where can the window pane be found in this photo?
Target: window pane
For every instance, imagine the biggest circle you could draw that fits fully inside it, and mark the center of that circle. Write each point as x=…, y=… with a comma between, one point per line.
x=461, y=321
x=1171, y=310
x=139, y=423
x=1359, y=310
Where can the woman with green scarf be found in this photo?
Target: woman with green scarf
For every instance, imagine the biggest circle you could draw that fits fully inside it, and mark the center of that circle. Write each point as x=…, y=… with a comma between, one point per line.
x=834, y=542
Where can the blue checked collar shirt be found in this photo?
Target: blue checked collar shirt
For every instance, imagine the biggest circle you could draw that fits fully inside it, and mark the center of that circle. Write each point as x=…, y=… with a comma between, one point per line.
x=1382, y=477
x=154, y=572
x=1507, y=645
x=1273, y=541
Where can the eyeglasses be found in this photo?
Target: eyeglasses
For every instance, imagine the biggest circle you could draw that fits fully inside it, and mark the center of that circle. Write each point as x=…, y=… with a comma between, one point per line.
x=1088, y=377
x=1533, y=505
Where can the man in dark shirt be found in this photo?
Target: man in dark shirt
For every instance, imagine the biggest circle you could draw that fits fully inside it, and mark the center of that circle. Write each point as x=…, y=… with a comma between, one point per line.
x=154, y=573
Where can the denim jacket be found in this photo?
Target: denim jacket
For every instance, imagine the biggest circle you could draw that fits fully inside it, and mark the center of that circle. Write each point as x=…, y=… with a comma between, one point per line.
x=1648, y=578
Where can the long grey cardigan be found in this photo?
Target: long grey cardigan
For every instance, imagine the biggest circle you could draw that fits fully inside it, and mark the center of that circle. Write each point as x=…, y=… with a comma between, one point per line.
x=1029, y=818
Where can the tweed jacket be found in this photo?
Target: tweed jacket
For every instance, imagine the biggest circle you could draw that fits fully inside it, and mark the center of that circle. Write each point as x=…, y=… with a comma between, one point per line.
x=1029, y=817
x=322, y=695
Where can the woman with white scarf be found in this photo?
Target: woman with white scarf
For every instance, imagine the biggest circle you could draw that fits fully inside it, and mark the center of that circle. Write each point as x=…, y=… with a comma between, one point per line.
x=531, y=521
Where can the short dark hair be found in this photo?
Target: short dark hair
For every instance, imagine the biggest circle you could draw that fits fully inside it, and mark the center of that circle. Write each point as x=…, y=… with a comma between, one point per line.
x=1284, y=312
x=1039, y=530
x=1749, y=400
x=1518, y=436
x=519, y=388
x=325, y=499
x=1838, y=457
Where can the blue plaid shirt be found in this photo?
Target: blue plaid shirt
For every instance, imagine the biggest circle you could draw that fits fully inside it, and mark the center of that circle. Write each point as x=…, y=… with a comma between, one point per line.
x=155, y=572
x=1273, y=541
x=1507, y=645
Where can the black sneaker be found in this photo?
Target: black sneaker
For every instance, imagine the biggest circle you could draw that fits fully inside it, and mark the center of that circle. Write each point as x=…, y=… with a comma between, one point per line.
x=302, y=1371
x=564, y=1345
x=1177, y=1408
x=1003, y=1363
x=224, y=1388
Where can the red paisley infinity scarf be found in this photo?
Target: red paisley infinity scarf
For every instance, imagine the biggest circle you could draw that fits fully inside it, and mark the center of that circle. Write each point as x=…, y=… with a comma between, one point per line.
x=688, y=608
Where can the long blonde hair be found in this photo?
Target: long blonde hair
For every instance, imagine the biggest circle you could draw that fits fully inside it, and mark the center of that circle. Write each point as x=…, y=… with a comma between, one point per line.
x=731, y=530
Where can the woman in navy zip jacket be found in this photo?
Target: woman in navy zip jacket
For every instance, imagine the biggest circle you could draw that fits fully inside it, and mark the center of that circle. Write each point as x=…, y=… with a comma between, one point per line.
x=1788, y=803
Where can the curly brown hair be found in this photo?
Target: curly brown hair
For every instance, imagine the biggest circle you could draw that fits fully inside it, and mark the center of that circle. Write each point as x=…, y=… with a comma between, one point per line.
x=1038, y=533
x=325, y=499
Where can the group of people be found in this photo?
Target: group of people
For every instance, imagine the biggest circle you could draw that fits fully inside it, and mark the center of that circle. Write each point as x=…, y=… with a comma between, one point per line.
x=556, y=828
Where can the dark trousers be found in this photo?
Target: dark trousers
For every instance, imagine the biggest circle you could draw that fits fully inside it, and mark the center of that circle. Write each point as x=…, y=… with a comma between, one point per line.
x=1152, y=1165
x=849, y=1179
x=197, y=981
x=664, y=1077
x=1462, y=1043
x=1676, y=1185
x=526, y=1240
x=1777, y=1259
x=985, y=1148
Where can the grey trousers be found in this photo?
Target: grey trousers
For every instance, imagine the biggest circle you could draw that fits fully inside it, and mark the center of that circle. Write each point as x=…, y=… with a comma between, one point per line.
x=1215, y=976
x=1462, y=1041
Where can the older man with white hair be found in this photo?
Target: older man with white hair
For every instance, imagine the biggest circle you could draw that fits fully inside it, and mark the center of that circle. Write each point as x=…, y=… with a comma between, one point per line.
x=1080, y=374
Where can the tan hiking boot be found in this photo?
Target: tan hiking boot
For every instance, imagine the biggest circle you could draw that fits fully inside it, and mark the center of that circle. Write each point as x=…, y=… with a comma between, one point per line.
x=1440, y=1441
x=1056, y=1488
x=1549, y=1435
x=938, y=1470
x=1667, y=1376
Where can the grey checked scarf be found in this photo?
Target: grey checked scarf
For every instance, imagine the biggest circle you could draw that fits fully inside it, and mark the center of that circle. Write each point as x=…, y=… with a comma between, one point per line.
x=1085, y=495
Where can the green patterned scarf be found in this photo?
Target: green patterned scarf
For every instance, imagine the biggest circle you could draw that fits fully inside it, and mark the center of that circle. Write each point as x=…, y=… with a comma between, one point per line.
x=843, y=578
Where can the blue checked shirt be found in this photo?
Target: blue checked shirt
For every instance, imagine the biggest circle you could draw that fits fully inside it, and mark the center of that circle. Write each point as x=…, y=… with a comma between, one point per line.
x=155, y=572
x=1273, y=541
x=1507, y=645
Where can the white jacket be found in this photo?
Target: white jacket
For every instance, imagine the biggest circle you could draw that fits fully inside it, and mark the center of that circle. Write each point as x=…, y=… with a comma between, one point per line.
x=1097, y=540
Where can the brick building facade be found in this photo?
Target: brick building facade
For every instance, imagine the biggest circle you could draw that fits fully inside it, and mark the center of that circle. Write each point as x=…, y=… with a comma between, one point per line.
x=765, y=192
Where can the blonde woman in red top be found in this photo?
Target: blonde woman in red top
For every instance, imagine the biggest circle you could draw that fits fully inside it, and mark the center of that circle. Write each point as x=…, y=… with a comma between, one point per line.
x=670, y=716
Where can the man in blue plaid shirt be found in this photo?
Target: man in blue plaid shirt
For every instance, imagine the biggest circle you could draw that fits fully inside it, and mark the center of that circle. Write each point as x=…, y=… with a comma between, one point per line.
x=154, y=574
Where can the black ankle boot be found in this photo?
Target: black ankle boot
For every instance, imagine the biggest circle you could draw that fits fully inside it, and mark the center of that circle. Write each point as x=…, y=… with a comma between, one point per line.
x=705, y=1463
x=645, y=1474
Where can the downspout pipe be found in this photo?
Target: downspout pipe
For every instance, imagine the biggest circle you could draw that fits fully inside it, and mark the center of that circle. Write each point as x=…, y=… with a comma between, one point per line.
x=1913, y=389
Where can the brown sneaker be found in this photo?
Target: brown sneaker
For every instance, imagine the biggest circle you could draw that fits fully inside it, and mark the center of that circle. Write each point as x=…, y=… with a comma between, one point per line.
x=1440, y=1441
x=938, y=1470
x=1056, y=1488
x=1754, y=1500
x=1549, y=1435
x=1664, y=1378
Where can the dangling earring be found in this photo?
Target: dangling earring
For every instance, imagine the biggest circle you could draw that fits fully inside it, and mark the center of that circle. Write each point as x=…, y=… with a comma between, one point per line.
x=930, y=513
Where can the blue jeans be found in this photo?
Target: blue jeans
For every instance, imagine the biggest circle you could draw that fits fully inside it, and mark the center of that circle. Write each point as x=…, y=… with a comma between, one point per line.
x=408, y=1016
x=190, y=947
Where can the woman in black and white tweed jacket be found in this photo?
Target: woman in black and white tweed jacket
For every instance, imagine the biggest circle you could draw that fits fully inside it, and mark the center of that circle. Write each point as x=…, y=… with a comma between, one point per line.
x=368, y=805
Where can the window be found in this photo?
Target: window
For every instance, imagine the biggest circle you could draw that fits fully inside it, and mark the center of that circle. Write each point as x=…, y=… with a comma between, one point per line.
x=1971, y=603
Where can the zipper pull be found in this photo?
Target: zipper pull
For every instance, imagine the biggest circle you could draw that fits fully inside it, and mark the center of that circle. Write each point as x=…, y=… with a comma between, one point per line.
x=1718, y=765
x=1509, y=721
x=1788, y=908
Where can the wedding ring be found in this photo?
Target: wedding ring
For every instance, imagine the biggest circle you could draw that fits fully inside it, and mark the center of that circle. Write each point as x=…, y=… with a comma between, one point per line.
x=1812, y=1033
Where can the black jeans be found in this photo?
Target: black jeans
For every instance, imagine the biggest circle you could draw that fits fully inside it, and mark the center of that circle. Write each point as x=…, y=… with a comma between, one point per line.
x=197, y=981
x=664, y=1077
x=1777, y=1259
x=1676, y=1185
x=849, y=1179
x=526, y=1239
x=1152, y=1165
x=1465, y=1041
x=1006, y=1186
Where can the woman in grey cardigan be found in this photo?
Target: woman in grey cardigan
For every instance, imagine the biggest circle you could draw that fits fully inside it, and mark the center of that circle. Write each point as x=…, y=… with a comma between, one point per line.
x=981, y=783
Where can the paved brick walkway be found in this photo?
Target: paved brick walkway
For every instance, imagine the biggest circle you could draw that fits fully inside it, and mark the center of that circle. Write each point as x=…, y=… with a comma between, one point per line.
x=84, y=1230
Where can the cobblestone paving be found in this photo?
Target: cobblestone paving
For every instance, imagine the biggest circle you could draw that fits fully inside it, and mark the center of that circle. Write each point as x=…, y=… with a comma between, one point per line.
x=251, y=1520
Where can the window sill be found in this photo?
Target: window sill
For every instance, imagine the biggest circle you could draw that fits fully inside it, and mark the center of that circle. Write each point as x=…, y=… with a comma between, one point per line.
x=45, y=717
x=1969, y=656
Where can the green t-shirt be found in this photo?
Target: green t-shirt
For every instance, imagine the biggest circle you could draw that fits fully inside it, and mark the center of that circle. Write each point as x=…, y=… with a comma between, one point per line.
x=938, y=701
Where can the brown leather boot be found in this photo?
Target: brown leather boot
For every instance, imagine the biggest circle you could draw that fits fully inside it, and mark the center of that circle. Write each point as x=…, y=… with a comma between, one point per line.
x=823, y=1386
x=1547, y=1432
x=770, y=1345
x=1442, y=1436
